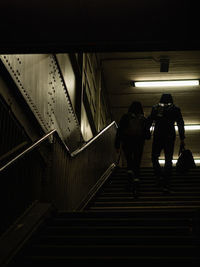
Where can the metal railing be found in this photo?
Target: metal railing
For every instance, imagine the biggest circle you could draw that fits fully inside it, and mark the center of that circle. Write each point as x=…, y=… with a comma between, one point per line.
x=72, y=154
x=31, y=147
x=77, y=151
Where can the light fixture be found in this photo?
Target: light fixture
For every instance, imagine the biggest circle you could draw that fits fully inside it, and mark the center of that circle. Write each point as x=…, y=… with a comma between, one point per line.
x=166, y=83
x=162, y=161
x=191, y=127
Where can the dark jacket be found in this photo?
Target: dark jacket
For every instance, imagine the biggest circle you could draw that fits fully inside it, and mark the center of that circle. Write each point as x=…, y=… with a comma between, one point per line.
x=122, y=138
x=164, y=115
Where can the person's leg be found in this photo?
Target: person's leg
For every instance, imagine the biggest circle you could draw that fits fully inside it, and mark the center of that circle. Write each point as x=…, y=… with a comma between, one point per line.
x=129, y=157
x=168, y=151
x=156, y=150
x=129, y=160
x=137, y=156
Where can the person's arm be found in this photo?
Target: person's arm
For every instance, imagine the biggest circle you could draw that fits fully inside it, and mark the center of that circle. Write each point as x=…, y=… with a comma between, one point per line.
x=150, y=119
x=147, y=130
x=119, y=131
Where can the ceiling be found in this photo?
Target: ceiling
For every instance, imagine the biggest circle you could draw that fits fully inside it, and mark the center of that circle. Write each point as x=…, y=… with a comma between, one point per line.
x=119, y=69
x=101, y=25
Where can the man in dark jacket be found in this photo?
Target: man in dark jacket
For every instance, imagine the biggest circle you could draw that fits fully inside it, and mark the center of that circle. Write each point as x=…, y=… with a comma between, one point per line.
x=164, y=115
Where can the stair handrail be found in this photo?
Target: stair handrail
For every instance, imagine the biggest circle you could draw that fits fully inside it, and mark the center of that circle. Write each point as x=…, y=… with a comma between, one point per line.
x=13, y=150
x=40, y=140
x=77, y=151
x=31, y=147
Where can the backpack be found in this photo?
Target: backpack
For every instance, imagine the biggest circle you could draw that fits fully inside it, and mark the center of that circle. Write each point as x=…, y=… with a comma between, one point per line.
x=135, y=126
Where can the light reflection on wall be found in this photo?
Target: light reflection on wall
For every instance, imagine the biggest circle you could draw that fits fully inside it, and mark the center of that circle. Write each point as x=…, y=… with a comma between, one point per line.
x=85, y=126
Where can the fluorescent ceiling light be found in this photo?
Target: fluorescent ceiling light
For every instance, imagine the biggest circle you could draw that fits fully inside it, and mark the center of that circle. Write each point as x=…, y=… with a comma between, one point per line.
x=187, y=127
x=162, y=161
x=166, y=83
x=190, y=127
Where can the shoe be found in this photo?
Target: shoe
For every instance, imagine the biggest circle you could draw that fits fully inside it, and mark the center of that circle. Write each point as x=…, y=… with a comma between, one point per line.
x=130, y=176
x=136, y=180
x=136, y=186
x=136, y=183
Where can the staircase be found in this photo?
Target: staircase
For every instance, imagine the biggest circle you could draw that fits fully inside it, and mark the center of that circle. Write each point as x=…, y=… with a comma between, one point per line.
x=119, y=227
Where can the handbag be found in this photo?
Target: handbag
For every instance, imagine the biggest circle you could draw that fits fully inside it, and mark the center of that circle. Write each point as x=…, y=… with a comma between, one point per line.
x=185, y=160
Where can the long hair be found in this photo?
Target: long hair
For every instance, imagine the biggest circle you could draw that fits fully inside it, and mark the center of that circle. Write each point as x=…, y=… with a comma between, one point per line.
x=136, y=108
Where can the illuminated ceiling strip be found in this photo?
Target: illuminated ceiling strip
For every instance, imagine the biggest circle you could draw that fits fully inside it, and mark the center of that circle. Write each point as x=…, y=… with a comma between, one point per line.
x=162, y=161
x=187, y=127
x=190, y=127
x=166, y=83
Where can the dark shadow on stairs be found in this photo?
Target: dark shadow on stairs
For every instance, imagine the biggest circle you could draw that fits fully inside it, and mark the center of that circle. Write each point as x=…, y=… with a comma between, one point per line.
x=116, y=227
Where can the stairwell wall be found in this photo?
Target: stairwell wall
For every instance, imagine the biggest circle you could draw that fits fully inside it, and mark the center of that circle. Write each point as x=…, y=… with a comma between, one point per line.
x=45, y=104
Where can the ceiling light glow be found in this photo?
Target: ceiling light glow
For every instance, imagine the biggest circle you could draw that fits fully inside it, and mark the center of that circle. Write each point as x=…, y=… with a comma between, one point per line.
x=166, y=83
x=174, y=161
x=190, y=127
x=187, y=127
